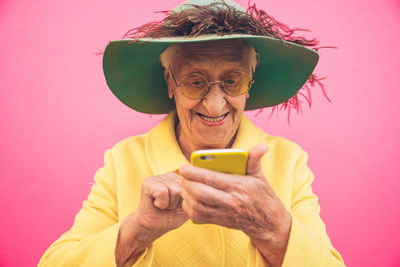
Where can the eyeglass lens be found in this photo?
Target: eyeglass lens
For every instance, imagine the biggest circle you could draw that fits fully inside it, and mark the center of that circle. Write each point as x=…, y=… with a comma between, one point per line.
x=196, y=85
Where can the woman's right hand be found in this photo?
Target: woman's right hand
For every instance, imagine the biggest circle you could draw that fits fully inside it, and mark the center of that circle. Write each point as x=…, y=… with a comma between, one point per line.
x=160, y=208
x=159, y=212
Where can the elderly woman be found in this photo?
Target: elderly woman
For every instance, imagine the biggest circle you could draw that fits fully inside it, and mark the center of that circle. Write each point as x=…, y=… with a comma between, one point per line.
x=217, y=60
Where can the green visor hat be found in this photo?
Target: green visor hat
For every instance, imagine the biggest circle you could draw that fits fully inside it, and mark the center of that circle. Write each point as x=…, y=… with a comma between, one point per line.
x=133, y=72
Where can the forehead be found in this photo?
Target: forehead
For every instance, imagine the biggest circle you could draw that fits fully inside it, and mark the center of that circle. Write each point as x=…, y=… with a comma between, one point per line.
x=237, y=52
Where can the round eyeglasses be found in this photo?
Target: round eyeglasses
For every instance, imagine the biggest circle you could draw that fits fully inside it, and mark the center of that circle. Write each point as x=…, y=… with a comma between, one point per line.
x=196, y=86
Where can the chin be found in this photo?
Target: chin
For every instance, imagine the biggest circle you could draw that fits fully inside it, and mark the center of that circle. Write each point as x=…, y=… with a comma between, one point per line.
x=214, y=138
x=215, y=143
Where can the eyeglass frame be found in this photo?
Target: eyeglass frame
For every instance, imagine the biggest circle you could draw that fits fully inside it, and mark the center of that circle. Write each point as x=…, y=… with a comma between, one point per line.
x=208, y=83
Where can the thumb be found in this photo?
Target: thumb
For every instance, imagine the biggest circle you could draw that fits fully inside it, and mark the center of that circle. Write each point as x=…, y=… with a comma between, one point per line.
x=254, y=160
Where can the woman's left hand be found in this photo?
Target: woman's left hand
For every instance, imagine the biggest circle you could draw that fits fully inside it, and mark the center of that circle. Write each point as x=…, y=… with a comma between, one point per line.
x=247, y=203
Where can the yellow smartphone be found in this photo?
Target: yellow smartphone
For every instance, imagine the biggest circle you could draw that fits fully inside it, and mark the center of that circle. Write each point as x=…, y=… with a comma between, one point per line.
x=222, y=160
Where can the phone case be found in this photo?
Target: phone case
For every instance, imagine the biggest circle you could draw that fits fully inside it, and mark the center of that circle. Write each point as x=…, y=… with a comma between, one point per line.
x=221, y=160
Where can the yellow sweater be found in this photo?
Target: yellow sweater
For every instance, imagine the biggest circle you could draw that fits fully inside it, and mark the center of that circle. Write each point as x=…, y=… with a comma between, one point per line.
x=92, y=239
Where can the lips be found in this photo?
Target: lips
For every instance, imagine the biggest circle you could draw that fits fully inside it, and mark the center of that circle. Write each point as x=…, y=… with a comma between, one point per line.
x=212, y=120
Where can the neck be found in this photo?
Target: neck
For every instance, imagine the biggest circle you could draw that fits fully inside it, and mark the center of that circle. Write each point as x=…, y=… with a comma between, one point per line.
x=188, y=147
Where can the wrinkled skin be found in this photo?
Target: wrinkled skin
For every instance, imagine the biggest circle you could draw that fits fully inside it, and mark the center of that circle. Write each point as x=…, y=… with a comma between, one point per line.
x=212, y=61
x=234, y=201
x=159, y=211
x=246, y=203
x=161, y=203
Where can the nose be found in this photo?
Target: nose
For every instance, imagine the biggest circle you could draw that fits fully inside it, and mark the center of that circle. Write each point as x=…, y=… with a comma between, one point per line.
x=215, y=99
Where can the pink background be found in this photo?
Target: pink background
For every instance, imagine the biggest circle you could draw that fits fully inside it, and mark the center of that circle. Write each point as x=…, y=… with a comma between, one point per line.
x=57, y=117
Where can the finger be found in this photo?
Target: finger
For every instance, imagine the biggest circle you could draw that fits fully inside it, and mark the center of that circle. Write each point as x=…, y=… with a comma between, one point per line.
x=218, y=180
x=206, y=194
x=159, y=193
x=254, y=160
x=196, y=210
x=173, y=182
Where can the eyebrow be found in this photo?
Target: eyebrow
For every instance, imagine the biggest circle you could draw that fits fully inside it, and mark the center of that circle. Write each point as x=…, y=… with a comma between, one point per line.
x=199, y=68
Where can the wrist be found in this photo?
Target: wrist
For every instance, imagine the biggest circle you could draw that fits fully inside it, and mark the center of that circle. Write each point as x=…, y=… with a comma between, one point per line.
x=132, y=240
x=273, y=244
x=135, y=233
x=279, y=234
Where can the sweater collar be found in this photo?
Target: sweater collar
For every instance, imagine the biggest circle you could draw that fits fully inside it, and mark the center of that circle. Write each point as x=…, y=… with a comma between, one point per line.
x=163, y=151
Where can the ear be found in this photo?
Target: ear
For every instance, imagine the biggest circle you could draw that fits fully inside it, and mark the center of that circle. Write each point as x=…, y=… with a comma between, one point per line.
x=167, y=80
x=170, y=92
x=247, y=95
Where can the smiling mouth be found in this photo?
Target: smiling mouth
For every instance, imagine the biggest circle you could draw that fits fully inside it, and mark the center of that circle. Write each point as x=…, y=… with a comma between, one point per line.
x=213, y=119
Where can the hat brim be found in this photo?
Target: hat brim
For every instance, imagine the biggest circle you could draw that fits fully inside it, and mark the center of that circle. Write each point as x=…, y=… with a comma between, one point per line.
x=133, y=72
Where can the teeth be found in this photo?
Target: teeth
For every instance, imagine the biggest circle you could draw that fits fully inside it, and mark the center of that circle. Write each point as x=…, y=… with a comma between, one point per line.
x=212, y=119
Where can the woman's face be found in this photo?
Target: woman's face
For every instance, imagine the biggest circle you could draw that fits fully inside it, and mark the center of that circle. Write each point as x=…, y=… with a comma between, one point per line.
x=211, y=121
